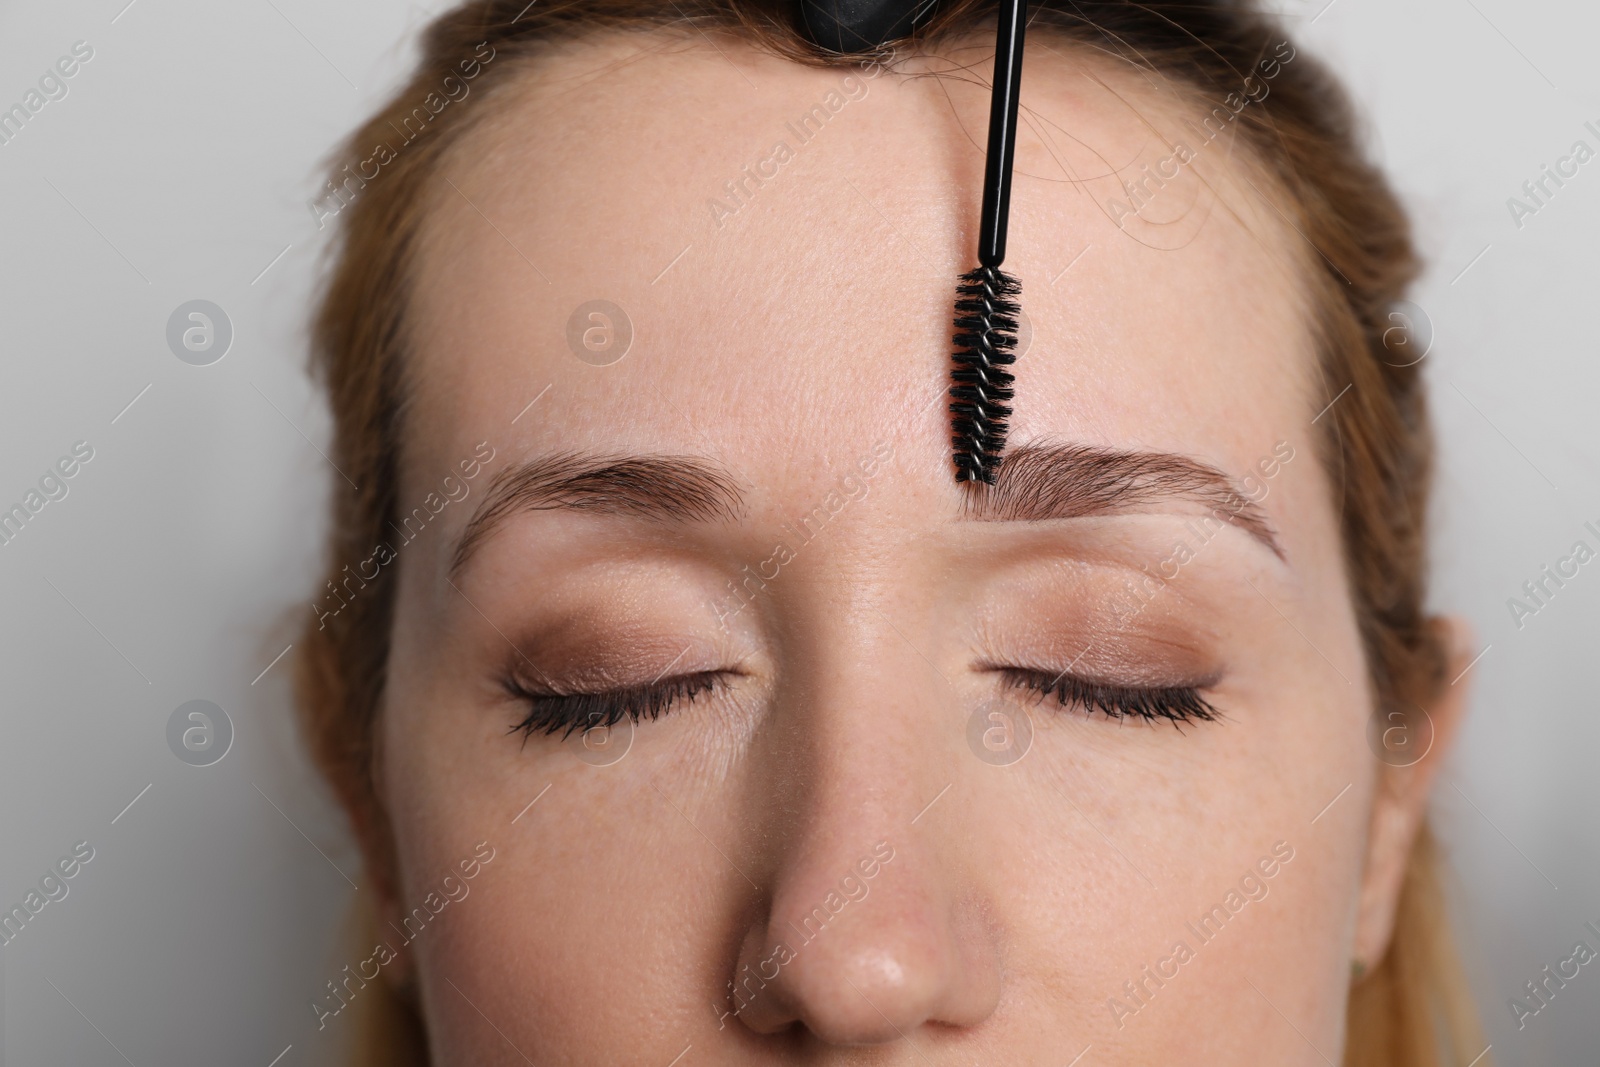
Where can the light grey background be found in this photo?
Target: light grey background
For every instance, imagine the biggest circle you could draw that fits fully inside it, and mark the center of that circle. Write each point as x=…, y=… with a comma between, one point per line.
x=178, y=168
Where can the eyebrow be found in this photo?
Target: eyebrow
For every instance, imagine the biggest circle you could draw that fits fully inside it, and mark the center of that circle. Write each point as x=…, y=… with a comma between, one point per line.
x=660, y=488
x=1038, y=482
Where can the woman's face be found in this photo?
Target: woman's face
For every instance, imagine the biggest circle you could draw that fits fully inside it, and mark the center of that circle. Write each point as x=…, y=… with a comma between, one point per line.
x=1076, y=763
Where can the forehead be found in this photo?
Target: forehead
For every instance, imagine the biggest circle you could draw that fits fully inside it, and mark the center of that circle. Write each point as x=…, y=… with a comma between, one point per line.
x=778, y=247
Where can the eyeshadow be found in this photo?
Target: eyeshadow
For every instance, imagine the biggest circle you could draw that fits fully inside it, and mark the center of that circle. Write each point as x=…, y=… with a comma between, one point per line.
x=1081, y=615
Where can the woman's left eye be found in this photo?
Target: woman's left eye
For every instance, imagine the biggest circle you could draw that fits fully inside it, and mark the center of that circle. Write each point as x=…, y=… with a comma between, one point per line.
x=553, y=712
x=1174, y=704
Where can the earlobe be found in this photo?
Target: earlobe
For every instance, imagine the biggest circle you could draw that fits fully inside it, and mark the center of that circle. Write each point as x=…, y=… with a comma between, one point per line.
x=1401, y=804
x=380, y=891
x=379, y=899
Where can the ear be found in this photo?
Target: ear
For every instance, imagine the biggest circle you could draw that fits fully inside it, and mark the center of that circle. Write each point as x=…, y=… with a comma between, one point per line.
x=382, y=890
x=382, y=899
x=1405, y=781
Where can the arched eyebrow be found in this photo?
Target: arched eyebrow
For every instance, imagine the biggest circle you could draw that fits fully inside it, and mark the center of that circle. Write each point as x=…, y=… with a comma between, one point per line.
x=1037, y=482
x=1065, y=481
x=663, y=488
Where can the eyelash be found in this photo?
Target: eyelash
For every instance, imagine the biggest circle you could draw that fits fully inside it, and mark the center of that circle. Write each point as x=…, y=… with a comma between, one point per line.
x=566, y=713
x=1174, y=704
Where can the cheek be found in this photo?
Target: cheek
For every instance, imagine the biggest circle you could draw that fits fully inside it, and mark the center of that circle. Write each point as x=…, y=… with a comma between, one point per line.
x=1110, y=890
x=603, y=908
x=1129, y=836
x=603, y=905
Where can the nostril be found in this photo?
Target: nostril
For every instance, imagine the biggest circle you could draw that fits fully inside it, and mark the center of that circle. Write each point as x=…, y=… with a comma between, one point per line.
x=880, y=969
x=891, y=999
x=863, y=998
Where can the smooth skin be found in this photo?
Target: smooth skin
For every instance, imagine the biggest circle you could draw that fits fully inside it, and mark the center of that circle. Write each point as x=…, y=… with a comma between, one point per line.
x=787, y=343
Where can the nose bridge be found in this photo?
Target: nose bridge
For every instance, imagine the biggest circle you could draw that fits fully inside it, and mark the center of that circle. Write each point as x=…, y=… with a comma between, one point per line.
x=871, y=751
x=872, y=928
x=866, y=709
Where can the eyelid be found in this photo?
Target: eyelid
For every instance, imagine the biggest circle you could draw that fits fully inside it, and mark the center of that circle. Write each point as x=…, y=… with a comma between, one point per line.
x=1142, y=676
x=1176, y=704
x=551, y=711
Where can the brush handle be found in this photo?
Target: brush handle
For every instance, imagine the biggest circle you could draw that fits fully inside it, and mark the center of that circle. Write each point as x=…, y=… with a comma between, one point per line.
x=1002, y=133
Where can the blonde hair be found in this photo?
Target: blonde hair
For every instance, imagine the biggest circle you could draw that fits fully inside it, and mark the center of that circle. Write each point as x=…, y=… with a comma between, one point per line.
x=1411, y=1009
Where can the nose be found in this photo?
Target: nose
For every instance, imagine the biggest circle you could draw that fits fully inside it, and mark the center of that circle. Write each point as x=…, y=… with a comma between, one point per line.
x=877, y=926
x=867, y=960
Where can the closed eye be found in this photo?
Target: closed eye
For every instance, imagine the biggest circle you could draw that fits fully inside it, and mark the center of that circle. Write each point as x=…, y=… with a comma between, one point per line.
x=550, y=712
x=1175, y=704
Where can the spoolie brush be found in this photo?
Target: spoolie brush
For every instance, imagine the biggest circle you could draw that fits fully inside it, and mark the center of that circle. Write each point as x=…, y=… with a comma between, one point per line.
x=986, y=304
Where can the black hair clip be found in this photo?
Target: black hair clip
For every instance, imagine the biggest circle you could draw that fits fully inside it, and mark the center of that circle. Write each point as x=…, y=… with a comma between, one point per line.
x=849, y=26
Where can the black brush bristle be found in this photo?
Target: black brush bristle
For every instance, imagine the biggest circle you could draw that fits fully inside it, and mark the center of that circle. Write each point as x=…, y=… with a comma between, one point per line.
x=986, y=306
x=980, y=389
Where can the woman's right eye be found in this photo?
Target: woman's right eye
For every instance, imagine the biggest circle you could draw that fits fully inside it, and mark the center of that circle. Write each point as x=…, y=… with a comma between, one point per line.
x=552, y=712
